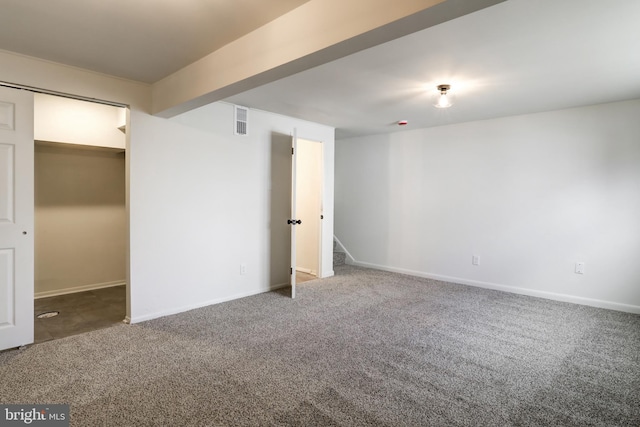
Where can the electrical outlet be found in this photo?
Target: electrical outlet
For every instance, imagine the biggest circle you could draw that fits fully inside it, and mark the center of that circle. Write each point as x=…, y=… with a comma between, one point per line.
x=243, y=269
x=475, y=260
x=579, y=267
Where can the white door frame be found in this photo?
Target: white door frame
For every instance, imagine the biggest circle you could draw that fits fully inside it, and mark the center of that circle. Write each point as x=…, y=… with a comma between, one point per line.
x=293, y=221
x=30, y=89
x=126, y=130
x=295, y=138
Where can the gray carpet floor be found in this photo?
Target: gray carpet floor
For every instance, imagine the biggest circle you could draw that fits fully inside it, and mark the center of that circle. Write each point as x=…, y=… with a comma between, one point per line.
x=364, y=348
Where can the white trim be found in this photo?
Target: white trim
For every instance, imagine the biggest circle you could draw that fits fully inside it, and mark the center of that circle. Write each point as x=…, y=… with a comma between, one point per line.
x=320, y=215
x=511, y=289
x=307, y=271
x=349, y=259
x=157, y=314
x=329, y=274
x=83, y=288
x=62, y=94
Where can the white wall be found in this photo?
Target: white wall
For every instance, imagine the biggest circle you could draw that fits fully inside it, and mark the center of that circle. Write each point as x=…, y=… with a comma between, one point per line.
x=42, y=74
x=191, y=192
x=530, y=195
x=69, y=121
x=308, y=205
x=80, y=219
x=204, y=201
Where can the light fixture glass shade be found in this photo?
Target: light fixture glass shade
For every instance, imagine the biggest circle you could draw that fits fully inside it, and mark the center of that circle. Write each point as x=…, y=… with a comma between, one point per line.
x=443, y=99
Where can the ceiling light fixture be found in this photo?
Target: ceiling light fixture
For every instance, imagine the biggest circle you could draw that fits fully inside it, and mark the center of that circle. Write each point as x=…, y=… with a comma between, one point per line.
x=443, y=98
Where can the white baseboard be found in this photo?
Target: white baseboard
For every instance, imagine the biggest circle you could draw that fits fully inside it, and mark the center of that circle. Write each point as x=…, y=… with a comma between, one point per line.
x=306, y=270
x=506, y=288
x=157, y=314
x=327, y=275
x=83, y=288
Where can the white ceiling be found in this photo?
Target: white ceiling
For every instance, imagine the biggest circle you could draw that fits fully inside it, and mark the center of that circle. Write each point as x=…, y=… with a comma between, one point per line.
x=516, y=57
x=142, y=40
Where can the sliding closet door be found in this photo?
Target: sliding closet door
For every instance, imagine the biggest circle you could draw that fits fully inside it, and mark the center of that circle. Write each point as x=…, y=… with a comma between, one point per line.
x=16, y=218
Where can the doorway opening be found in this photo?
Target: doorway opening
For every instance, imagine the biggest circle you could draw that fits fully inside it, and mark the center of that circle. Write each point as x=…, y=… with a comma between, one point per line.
x=80, y=216
x=309, y=209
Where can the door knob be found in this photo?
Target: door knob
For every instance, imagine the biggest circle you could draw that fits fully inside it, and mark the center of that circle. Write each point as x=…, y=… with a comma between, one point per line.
x=294, y=221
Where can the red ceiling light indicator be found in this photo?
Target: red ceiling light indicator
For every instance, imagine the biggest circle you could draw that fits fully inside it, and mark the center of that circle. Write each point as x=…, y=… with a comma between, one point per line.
x=403, y=123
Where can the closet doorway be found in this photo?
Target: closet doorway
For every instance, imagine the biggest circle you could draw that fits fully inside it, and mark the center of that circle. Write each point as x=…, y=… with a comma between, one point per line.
x=80, y=217
x=308, y=209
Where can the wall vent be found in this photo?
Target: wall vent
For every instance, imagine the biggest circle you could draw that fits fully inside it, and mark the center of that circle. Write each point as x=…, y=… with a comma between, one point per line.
x=241, y=120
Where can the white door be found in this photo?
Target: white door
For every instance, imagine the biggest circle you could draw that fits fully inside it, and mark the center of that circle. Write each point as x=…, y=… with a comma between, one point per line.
x=293, y=221
x=16, y=218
